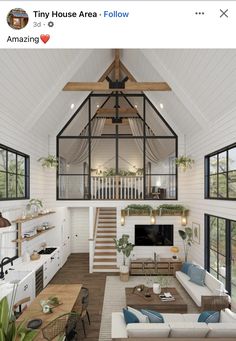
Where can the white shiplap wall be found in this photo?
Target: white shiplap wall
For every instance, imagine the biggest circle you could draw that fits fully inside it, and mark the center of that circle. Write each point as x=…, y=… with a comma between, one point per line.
x=220, y=134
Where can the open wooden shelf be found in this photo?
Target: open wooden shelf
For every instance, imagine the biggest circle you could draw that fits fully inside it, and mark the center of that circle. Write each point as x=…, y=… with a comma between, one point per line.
x=21, y=240
x=20, y=221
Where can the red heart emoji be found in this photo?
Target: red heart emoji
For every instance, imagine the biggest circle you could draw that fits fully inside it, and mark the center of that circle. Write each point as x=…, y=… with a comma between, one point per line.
x=45, y=38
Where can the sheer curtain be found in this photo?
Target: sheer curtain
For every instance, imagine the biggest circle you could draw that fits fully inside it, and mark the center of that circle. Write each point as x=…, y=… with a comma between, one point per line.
x=79, y=150
x=152, y=150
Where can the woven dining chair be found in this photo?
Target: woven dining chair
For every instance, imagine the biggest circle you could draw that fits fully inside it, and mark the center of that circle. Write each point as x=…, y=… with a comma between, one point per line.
x=63, y=326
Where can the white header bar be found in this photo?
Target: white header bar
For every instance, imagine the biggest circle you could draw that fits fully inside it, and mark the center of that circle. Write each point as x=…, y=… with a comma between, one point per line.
x=119, y=24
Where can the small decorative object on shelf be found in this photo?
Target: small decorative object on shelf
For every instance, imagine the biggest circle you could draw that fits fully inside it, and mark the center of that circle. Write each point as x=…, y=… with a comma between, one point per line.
x=33, y=207
x=175, y=251
x=156, y=288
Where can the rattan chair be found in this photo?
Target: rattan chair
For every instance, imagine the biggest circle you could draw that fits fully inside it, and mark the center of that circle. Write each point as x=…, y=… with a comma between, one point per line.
x=64, y=326
x=84, y=310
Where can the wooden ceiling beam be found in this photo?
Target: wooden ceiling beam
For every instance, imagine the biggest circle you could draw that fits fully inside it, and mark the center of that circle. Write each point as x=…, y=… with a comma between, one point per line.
x=127, y=73
x=129, y=86
x=107, y=72
x=117, y=64
x=112, y=111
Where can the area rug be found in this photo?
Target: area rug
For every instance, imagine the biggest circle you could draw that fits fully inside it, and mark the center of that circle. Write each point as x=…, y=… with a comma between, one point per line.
x=114, y=299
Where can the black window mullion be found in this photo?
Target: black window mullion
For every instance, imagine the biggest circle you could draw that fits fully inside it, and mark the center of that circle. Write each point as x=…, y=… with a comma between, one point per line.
x=144, y=148
x=228, y=256
x=227, y=174
x=16, y=175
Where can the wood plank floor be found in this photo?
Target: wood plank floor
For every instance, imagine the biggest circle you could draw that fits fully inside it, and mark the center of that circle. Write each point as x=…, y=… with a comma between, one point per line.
x=76, y=271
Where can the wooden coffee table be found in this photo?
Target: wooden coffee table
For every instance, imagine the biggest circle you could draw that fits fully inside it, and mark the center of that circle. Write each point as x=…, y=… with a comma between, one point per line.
x=138, y=301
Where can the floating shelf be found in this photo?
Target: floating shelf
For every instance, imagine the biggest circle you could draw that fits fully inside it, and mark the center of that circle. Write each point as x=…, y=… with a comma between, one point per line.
x=126, y=213
x=21, y=240
x=20, y=221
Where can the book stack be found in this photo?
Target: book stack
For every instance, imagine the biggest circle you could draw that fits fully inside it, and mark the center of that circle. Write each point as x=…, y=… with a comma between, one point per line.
x=166, y=297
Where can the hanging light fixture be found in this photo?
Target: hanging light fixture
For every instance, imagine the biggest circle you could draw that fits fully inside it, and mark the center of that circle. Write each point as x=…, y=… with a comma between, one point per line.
x=122, y=218
x=183, y=220
x=152, y=218
x=4, y=222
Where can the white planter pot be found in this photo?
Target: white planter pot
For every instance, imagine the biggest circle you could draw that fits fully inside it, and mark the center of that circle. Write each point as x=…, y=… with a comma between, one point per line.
x=156, y=288
x=124, y=269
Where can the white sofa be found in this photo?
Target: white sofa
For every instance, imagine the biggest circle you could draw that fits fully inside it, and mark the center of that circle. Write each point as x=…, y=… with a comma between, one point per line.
x=212, y=286
x=182, y=326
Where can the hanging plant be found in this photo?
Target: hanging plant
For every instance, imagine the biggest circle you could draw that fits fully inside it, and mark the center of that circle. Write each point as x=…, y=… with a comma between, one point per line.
x=184, y=162
x=49, y=162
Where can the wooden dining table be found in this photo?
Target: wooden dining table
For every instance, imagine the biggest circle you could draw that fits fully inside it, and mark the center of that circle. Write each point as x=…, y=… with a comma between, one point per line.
x=67, y=295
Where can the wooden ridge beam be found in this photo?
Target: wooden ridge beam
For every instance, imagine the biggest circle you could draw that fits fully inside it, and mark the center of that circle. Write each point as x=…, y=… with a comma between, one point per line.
x=117, y=64
x=129, y=86
x=112, y=111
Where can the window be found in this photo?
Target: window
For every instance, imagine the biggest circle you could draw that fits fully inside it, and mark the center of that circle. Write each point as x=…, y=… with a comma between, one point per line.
x=220, y=250
x=14, y=174
x=117, y=146
x=221, y=174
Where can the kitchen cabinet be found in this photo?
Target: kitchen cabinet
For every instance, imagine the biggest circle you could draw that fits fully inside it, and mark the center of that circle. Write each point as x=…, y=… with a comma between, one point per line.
x=26, y=288
x=51, y=266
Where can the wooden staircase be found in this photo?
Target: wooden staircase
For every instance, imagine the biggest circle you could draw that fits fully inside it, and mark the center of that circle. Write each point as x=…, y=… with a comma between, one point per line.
x=105, y=252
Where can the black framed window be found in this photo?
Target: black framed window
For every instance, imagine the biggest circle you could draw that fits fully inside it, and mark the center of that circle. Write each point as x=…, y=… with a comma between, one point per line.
x=220, y=174
x=220, y=250
x=14, y=174
x=117, y=146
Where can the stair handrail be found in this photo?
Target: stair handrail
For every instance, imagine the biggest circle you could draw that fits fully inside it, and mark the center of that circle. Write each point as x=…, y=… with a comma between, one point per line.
x=95, y=223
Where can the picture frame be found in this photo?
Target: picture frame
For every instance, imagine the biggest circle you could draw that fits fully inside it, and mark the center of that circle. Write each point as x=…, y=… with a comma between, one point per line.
x=196, y=232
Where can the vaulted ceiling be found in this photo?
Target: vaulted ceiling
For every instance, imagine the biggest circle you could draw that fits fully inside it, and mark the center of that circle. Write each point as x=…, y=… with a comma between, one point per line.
x=202, y=82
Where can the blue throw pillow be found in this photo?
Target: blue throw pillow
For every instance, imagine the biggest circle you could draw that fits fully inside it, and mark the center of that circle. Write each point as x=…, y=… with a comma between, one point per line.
x=129, y=317
x=185, y=267
x=209, y=317
x=154, y=316
x=190, y=269
x=197, y=276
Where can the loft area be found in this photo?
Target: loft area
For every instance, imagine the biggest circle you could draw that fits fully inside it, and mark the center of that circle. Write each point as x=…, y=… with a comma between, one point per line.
x=103, y=156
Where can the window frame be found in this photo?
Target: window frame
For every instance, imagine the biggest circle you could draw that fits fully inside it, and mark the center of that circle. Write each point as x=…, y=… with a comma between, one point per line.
x=26, y=174
x=228, y=253
x=117, y=137
x=208, y=174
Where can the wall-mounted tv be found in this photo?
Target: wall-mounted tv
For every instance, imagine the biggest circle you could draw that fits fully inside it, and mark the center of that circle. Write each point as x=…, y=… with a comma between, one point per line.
x=154, y=235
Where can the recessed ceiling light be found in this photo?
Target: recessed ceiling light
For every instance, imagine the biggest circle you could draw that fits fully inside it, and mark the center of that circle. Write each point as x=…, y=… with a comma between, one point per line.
x=72, y=106
x=161, y=105
x=136, y=106
x=98, y=105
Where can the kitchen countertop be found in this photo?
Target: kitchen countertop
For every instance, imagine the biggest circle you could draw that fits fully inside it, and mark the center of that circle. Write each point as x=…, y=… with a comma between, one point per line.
x=19, y=265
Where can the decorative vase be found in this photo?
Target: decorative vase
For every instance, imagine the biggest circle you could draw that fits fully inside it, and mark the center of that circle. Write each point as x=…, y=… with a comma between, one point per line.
x=156, y=288
x=124, y=273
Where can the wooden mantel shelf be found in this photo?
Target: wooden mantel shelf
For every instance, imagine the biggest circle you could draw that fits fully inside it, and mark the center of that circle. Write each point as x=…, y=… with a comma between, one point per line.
x=21, y=240
x=20, y=221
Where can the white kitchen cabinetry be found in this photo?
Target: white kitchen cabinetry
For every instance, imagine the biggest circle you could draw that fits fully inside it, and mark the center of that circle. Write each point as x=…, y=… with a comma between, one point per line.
x=26, y=288
x=51, y=266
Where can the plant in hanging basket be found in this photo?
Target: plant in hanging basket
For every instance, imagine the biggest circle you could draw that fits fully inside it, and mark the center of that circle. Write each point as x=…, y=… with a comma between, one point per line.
x=49, y=162
x=184, y=162
x=169, y=209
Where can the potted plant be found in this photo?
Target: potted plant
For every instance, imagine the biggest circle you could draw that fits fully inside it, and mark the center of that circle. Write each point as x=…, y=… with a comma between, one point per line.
x=123, y=245
x=186, y=236
x=49, y=162
x=169, y=209
x=9, y=330
x=34, y=206
x=139, y=210
x=184, y=162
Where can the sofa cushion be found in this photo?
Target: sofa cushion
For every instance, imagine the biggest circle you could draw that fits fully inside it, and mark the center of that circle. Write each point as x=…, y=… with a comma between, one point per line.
x=209, y=317
x=227, y=316
x=173, y=317
x=118, y=326
x=197, y=275
x=190, y=317
x=142, y=330
x=222, y=330
x=129, y=317
x=141, y=317
x=153, y=316
x=185, y=267
x=194, y=290
x=191, y=329
x=213, y=284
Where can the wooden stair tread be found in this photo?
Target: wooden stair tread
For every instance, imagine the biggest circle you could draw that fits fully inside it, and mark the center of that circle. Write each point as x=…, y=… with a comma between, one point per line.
x=105, y=267
x=106, y=253
x=108, y=247
x=105, y=260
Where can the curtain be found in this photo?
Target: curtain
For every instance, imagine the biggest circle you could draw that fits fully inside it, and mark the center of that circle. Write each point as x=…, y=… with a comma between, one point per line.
x=79, y=150
x=152, y=150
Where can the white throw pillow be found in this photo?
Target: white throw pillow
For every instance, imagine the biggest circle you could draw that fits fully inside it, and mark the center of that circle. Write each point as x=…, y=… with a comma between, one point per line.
x=141, y=317
x=227, y=316
x=145, y=330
